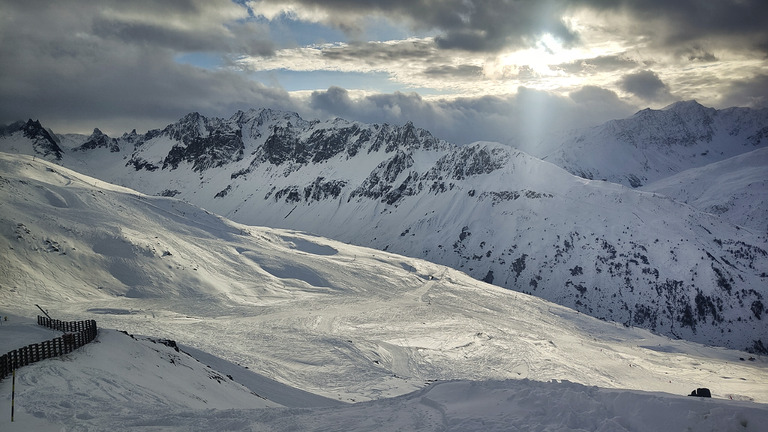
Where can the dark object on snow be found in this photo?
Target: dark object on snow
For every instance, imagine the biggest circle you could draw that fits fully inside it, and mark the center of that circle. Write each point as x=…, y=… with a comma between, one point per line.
x=701, y=392
x=68, y=338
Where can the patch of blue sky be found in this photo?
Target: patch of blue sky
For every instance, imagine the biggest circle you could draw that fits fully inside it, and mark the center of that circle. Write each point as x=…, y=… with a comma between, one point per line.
x=286, y=32
x=205, y=60
x=381, y=29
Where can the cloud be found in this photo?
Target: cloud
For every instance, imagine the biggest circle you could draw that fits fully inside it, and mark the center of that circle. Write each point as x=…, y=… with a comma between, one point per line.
x=646, y=85
x=461, y=71
x=411, y=63
x=605, y=63
x=335, y=101
x=496, y=25
x=471, y=25
x=244, y=38
x=381, y=53
x=75, y=65
x=696, y=53
x=735, y=24
x=522, y=119
x=119, y=64
x=181, y=25
x=750, y=92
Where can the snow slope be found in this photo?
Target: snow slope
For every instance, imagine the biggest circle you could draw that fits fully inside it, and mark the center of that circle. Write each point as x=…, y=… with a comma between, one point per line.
x=735, y=188
x=345, y=322
x=17, y=333
x=655, y=144
x=497, y=214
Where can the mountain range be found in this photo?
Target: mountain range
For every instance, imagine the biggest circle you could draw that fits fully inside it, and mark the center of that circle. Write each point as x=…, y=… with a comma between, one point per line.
x=254, y=328
x=654, y=257
x=655, y=144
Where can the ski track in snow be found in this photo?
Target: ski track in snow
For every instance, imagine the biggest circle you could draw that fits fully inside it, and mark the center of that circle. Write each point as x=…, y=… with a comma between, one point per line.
x=414, y=345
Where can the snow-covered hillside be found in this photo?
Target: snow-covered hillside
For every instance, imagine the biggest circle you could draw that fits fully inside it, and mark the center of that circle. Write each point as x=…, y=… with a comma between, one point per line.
x=735, y=188
x=341, y=321
x=497, y=214
x=654, y=144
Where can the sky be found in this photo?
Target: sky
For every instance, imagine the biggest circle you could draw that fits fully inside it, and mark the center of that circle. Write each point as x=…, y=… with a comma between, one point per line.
x=467, y=70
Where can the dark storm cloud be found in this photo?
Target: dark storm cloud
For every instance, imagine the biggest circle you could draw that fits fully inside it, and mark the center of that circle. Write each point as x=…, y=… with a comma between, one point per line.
x=377, y=52
x=692, y=22
x=646, y=85
x=237, y=39
x=75, y=65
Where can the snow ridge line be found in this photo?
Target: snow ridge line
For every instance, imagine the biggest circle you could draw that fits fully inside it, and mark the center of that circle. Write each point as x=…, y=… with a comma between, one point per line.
x=78, y=333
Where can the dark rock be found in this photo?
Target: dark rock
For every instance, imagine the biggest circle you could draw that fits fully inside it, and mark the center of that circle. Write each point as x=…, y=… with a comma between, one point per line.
x=99, y=139
x=701, y=392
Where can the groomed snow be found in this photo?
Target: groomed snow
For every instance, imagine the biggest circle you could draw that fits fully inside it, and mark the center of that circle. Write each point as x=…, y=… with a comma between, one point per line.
x=120, y=382
x=416, y=345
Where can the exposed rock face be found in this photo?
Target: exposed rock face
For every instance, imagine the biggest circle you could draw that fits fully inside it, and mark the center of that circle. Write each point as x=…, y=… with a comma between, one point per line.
x=99, y=140
x=44, y=142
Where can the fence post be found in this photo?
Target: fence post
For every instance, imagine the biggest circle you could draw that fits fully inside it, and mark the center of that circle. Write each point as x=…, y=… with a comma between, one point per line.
x=13, y=394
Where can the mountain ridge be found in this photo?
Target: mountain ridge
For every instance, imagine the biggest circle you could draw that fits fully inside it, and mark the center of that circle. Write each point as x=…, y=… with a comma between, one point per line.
x=496, y=213
x=653, y=144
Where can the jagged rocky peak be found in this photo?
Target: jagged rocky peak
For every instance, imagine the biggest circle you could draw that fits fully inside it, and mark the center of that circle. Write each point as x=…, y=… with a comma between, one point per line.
x=44, y=142
x=289, y=138
x=190, y=126
x=132, y=138
x=267, y=116
x=99, y=139
x=408, y=136
x=34, y=129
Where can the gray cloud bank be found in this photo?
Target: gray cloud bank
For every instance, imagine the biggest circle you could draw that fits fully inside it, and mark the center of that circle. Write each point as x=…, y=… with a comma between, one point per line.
x=521, y=119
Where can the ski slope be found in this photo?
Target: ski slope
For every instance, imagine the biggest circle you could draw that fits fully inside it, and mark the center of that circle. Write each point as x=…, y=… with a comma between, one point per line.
x=736, y=189
x=398, y=342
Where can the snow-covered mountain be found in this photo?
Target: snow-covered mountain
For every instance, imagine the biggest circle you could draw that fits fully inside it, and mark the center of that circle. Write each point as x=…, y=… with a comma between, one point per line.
x=655, y=144
x=30, y=138
x=496, y=213
x=319, y=316
x=735, y=188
